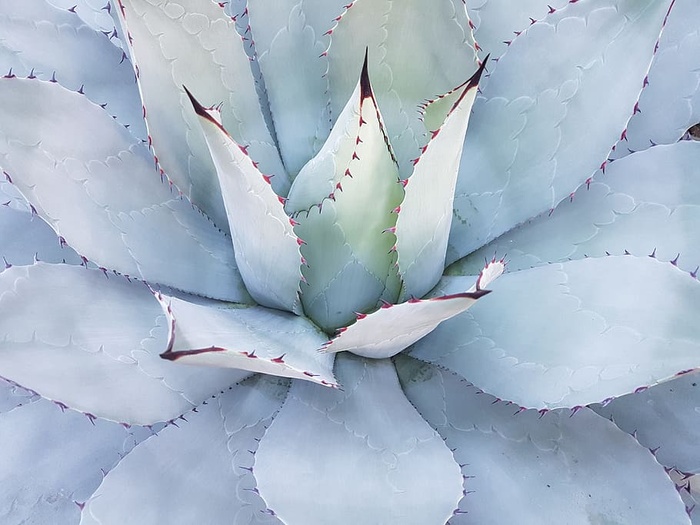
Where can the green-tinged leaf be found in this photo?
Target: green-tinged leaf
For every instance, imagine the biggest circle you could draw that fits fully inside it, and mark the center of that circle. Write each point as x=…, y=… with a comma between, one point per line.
x=290, y=39
x=39, y=40
x=180, y=42
x=95, y=185
x=91, y=342
x=423, y=224
x=257, y=339
x=549, y=114
x=665, y=418
x=359, y=456
x=552, y=468
x=53, y=458
x=645, y=204
x=197, y=470
x=394, y=327
x=575, y=333
x=350, y=264
x=418, y=49
x=266, y=247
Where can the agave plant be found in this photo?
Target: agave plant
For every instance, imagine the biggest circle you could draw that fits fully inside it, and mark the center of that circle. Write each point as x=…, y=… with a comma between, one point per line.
x=226, y=229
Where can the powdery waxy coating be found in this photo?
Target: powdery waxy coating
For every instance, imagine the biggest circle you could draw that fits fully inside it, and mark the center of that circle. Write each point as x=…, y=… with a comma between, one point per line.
x=314, y=172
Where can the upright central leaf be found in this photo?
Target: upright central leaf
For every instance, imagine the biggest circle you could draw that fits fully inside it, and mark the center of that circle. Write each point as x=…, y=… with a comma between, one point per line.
x=344, y=201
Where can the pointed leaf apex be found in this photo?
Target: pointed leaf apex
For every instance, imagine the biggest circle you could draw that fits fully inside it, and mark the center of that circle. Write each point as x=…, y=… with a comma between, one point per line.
x=365, y=86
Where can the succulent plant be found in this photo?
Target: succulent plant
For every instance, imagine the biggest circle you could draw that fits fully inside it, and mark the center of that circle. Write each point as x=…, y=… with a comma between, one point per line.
x=248, y=256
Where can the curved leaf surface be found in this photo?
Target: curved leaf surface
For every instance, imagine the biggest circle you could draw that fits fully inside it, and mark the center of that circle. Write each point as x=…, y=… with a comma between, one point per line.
x=197, y=471
x=575, y=333
x=92, y=342
x=543, y=127
x=95, y=185
x=363, y=455
x=554, y=468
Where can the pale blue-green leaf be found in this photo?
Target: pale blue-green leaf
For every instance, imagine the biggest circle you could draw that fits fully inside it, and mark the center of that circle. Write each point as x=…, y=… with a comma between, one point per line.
x=197, y=471
x=423, y=224
x=25, y=237
x=498, y=22
x=359, y=456
x=290, y=40
x=350, y=264
x=574, y=333
x=548, y=116
x=392, y=328
x=96, y=186
x=93, y=343
x=44, y=41
x=248, y=338
x=53, y=458
x=551, y=468
x=647, y=203
x=670, y=103
x=98, y=14
x=264, y=242
x=417, y=50
x=665, y=418
x=689, y=488
x=195, y=44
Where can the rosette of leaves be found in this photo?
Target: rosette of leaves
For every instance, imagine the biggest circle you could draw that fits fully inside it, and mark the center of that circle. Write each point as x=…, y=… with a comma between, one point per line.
x=226, y=228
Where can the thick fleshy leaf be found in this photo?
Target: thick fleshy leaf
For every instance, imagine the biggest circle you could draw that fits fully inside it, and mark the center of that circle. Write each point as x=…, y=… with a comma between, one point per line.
x=176, y=43
x=98, y=14
x=39, y=40
x=394, y=327
x=53, y=458
x=92, y=342
x=24, y=237
x=670, y=102
x=266, y=247
x=498, y=22
x=413, y=57
x=645, y=204
x=290, y=39
x=423, y=224
x=575, y=333
x=198, y=471
x=95, y=185
x=350, y=264
x=552, y=468
x=665, y=418
x=548, y=116
x=359, y=456
x=249, y=338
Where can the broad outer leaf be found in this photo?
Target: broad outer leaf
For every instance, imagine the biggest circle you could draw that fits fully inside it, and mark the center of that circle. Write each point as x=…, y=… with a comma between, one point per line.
x=423, y=224
x=498, y=22
x=551, y=468
x=290, y=39
x=180, y=42
x=53, y=458
x=97, y=14
x=359, y=456
x=95, y=185
x=92, y=342
x=266, y=247
x=394, y=327
x=39, y=40
x=549, y=114
x=670, y=101
x=645, y=204
x=255, y=338
x=665, y=418
x=197, y=470
x=417, y=50
x=575, y=333
x=350, y=264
